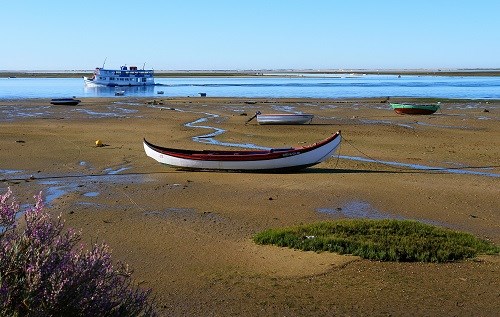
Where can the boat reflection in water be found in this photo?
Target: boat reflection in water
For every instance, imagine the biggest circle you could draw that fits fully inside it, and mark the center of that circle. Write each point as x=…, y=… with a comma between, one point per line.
x=104, y=91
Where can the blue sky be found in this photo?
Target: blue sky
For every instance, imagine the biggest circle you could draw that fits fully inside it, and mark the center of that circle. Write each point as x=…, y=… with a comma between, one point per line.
x=250, y=34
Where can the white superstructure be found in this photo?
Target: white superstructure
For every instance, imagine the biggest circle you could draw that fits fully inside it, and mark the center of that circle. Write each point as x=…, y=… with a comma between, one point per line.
x=125, y=76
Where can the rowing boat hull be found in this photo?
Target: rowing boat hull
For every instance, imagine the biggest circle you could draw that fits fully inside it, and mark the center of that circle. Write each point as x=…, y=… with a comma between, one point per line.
x=414, y=109
x=288, y=118
x=246, y=160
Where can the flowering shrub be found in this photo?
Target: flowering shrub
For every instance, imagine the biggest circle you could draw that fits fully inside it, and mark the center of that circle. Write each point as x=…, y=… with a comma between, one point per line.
x=45, y=271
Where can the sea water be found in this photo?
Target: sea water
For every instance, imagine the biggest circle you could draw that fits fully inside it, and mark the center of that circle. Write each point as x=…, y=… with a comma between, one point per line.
x=453, y=87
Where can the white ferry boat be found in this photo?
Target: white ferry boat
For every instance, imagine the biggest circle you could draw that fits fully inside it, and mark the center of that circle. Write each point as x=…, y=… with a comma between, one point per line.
x=125, y=76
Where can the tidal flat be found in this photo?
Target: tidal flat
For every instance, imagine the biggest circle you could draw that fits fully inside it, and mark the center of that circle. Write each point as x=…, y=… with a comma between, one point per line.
x=188, y=235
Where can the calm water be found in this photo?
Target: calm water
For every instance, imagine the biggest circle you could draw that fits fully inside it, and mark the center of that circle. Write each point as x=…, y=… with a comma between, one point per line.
x=267, y=87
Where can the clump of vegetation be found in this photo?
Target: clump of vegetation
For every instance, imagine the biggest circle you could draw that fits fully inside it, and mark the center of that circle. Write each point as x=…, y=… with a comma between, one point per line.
x=383, y=240
x=45, y=271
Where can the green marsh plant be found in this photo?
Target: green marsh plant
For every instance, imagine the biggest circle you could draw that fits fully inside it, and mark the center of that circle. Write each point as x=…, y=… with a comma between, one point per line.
x=382, y=240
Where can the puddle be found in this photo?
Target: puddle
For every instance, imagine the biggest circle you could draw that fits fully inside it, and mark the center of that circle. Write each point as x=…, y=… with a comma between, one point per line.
x=96, y=114
x=113, y=111
x=56, y=189
x=358, y=209
x=363, y=210
x=10, y=172
x=111, y=171
x=126, y=111
x=11, y=113
x=423, y=167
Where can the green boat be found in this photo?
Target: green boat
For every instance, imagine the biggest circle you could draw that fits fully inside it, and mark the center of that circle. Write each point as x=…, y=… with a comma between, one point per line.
x=405, y=108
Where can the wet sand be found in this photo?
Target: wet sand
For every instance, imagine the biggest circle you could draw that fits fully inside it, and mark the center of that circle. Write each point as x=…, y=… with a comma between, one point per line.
x=188, y=235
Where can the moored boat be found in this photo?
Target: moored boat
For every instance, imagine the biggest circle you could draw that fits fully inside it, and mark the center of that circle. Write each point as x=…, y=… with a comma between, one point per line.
x=404, y=108
x=125, y=76
x=282, y=118
x=285, y=118
x=65, y=101
x=280, y=159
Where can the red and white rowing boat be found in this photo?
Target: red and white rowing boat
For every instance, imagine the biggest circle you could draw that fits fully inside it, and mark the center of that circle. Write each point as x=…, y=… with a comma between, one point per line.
x=281, y=159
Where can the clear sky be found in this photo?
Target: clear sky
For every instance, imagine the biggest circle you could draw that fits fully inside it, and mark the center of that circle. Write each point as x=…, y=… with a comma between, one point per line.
x=249, y=34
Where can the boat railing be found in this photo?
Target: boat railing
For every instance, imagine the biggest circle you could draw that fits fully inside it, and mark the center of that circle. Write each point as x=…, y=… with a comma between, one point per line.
x=127, y=73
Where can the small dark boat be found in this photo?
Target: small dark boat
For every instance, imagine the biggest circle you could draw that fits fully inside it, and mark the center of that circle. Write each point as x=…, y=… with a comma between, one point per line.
x=65, y=101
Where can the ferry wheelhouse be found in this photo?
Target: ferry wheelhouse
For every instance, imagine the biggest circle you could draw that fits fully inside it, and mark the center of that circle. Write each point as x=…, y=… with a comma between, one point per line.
x=125, y=76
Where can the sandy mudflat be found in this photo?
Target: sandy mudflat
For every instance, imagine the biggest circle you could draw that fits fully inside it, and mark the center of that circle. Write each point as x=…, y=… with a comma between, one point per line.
x=188, y=234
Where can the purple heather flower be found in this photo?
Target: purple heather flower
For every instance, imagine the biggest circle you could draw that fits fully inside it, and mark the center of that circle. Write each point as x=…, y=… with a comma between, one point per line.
x=44, y=270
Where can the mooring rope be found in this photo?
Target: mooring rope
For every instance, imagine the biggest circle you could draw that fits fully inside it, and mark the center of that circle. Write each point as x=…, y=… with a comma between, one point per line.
x=338, y=154
x=424, y=169
x=32, y=178
x=375, y=160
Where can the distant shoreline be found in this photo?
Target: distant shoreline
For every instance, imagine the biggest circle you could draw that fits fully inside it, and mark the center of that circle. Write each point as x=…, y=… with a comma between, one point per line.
x=260, y=73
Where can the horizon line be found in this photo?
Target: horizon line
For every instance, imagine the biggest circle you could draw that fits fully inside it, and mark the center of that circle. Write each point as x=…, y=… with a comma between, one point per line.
x=315, y=70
